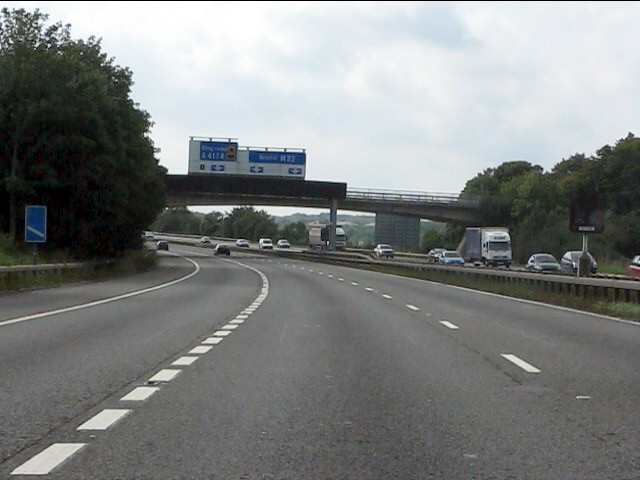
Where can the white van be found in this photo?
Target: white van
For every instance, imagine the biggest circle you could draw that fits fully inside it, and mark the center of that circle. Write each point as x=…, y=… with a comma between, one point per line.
x=265, y=244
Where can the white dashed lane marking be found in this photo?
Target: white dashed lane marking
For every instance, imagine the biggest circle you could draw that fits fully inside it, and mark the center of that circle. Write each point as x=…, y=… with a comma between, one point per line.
x=449, y=325
x=104, y=419
x=165, y=375
x=412, y=307
x=341, y=279
x=184, y=361
x=221, y=333
x=355, y=284
x=388, y=297
x=212, y=341
x=139, y=394
x=48, y=459
x=230, y=326
x=200, y=349
x=527, y=367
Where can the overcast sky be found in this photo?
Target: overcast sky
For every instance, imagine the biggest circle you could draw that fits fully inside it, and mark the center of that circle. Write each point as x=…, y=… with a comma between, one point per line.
x=418, y=96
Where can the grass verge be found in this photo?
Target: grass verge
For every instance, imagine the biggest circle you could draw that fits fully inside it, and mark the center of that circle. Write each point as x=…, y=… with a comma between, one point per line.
x=130, y=263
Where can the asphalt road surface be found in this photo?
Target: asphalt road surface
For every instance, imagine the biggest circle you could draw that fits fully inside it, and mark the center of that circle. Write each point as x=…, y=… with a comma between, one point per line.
x=256, y=367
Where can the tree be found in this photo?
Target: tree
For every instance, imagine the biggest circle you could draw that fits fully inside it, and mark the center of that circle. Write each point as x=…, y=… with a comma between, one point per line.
x=296, y=233
x=71, y=138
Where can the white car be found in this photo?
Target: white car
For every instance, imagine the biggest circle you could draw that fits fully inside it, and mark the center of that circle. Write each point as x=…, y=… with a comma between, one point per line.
x=205, y=240
x=265, y=244
x=283, y=243
x=242, y=243
x=383, y=250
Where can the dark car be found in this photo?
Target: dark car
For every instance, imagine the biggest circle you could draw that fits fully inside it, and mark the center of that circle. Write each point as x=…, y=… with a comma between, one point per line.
x=162, y=245
x=222, y=249
x=543, y=262
x=569, y=261
x=634, y=268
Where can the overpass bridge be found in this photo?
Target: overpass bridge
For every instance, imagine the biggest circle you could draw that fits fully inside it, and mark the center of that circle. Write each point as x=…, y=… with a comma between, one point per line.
x=268, y=191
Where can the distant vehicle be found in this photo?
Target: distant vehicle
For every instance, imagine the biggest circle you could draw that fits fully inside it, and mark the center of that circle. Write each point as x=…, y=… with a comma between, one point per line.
x=204, y=240
x=148, y=235
x=242, y=242
x=162, y=245
x=434, y=254
x=383, y=250
x=265, y=244
x=319, y=236
x=543, y=262
x=490, y=245
x=222, y=249
x=634, y=268
x=451, y=257
x=283, y=243
x=569, y=261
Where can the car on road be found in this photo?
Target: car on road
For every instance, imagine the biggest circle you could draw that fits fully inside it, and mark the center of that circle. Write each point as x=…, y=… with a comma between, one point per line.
x=450, y=257
x=569, y=261
x=242, y=243
x=205, y=240
x=634, y=267
x=222, y=249
x=162, y=245
x=148, y=235
x=283, y=243
x=382, y=250
x=543, y=262
x=434, y=254
x=265, y=244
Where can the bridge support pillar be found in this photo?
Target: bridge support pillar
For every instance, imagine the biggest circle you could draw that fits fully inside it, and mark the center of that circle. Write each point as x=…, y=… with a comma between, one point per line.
x=333, y=219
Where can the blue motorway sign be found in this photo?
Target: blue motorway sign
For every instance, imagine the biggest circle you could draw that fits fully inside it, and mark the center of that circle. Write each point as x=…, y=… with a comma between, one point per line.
x=279, y=158
x=35, y=223
x=219, y=151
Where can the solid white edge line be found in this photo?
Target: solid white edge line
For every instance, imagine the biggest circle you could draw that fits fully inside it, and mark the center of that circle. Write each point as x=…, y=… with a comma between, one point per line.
x=48, y=459
x=105, y=419
x=103, y=301
x=450, y=325
x=139, y=394
x=527, y=367
x=521, y=300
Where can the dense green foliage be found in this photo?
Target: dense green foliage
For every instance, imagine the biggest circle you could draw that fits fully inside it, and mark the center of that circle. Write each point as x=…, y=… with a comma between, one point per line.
x=242, y=222
x=535, y=204
x=72, y=139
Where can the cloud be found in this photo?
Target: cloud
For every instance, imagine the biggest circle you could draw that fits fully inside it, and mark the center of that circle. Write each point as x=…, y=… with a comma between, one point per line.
x=389, y=95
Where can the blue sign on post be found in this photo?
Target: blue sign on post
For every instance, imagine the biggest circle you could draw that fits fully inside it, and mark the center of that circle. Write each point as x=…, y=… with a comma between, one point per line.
x=35, y=224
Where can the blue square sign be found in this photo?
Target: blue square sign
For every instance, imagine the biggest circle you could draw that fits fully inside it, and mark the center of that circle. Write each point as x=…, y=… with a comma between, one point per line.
x=35, y=223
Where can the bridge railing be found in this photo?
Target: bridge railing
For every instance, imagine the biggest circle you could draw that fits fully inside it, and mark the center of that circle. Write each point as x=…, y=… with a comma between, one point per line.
x=411, y=196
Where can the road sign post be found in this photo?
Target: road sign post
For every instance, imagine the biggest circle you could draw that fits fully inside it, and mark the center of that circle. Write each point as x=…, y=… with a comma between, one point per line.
x=35, y=226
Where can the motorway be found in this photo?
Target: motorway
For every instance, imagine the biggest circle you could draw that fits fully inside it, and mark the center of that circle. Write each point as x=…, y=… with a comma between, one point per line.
x=259, y=367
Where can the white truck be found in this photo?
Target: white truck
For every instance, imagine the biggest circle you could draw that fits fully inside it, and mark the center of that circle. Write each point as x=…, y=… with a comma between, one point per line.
x=490, y=245
x=319, y=237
